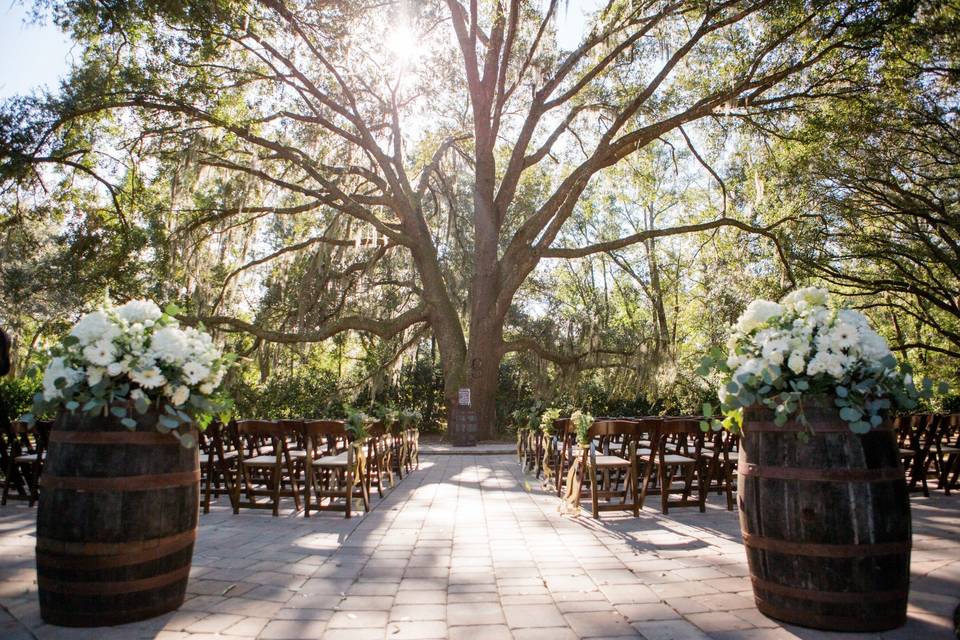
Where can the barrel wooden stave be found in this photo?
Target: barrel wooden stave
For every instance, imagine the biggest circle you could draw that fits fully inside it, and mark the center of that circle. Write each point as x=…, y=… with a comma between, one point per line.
x=110, y=551
x=832, y=554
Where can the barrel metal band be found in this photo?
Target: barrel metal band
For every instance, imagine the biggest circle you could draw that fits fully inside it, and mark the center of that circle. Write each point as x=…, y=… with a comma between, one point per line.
x=122, y=483
x=111, y=437
x=833, y=623
x=755, y=541
x=89, y=588
x=822, y=475
x=838, y=597
x=768, y=426
x=83, y=555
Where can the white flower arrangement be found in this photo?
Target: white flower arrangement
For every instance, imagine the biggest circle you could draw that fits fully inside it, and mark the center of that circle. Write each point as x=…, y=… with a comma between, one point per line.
x=582, y=422
x=121, y=360
x=781, y=353
x=546, y=420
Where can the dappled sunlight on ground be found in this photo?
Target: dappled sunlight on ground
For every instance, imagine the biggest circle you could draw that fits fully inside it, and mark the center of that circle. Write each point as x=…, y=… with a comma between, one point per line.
x=467, y=548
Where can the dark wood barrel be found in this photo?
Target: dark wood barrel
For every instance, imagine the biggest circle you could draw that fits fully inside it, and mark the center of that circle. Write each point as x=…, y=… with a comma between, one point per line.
x=116, y=523
x=825, y=523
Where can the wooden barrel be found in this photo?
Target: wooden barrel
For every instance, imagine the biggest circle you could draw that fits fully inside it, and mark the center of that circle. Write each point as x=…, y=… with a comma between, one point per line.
x=116, y=523
x=825, y=523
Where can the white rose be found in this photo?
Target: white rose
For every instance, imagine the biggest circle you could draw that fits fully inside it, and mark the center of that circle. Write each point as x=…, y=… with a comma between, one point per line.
x=138, y=394
x=806, y=297
x=93, y=327
x=796, y=362
x=114, y=369
x=751, y=367
x=94, y=375
x=138, y=311
x=169, y=344
x=206, y=388
x=181, y=395
x=873, y=345
x=758, y=313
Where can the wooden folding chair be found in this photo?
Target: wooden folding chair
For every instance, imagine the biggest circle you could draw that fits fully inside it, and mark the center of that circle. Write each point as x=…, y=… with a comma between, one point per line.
x=606, y=470
x=675, y=459
x=276, y=471
x=379, y=457
x=948, y=453
x=914, y=441
x=721, y=459
x=336, y=469
x=26, y=454
x=412, y=443
x=218, y=457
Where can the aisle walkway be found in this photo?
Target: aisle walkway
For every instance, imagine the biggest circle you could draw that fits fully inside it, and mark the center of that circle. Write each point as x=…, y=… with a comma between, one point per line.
x=468, y=548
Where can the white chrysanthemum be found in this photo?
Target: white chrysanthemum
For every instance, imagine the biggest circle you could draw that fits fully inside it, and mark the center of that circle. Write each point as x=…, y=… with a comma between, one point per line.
x=169, y=344
x=139, y=311
x=93, y=327
x=757, y=314
x=56, y=370
x=149, y=378
x=101, y=353
x=180, y=395
x=843, y=336
x=194, y=372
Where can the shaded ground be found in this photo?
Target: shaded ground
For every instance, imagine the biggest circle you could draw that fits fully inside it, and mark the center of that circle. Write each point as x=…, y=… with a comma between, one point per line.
x=469, y=548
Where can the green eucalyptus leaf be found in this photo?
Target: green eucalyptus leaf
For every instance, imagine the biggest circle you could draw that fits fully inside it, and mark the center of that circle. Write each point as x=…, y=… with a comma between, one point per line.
x=860, y=426
x=842, y=391
x=120, y=412
x=167, y=422
x=129, y=423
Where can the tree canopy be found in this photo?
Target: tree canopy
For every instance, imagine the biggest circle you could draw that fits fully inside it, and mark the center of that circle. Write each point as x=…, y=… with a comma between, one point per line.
x=403, y=185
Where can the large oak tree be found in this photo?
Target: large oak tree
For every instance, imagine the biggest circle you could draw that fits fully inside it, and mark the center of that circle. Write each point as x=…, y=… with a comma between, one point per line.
x=449, y=142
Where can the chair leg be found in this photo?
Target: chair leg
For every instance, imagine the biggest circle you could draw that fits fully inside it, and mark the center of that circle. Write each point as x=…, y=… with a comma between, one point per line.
x=348, y=484
x=593, y=491
x=208, y=471
x=276, y=489
x=32, y=481
x=665, y=476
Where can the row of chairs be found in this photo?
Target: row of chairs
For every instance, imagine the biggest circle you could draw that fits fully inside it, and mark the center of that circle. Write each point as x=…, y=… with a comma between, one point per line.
x=258, y=463
x=631, y=458
x=930, y=450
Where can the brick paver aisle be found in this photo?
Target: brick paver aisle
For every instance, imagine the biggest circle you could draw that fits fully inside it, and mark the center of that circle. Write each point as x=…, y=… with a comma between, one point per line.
x=469, y=548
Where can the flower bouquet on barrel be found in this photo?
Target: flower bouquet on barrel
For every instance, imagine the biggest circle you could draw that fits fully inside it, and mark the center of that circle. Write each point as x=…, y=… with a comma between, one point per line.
x=120, y=488
x=824, y=510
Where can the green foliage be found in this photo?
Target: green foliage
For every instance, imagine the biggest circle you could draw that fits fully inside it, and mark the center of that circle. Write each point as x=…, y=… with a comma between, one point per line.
x=581, y=423
x=16, y=397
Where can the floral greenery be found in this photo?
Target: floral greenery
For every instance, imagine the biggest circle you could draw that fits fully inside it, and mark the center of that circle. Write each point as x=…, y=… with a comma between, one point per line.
x=357, y=422
x=780, y=355
x=16, y=397
x=526, y=417
x=409, y=417
x=582, y=422
x=546, y=420
x=121, y=361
